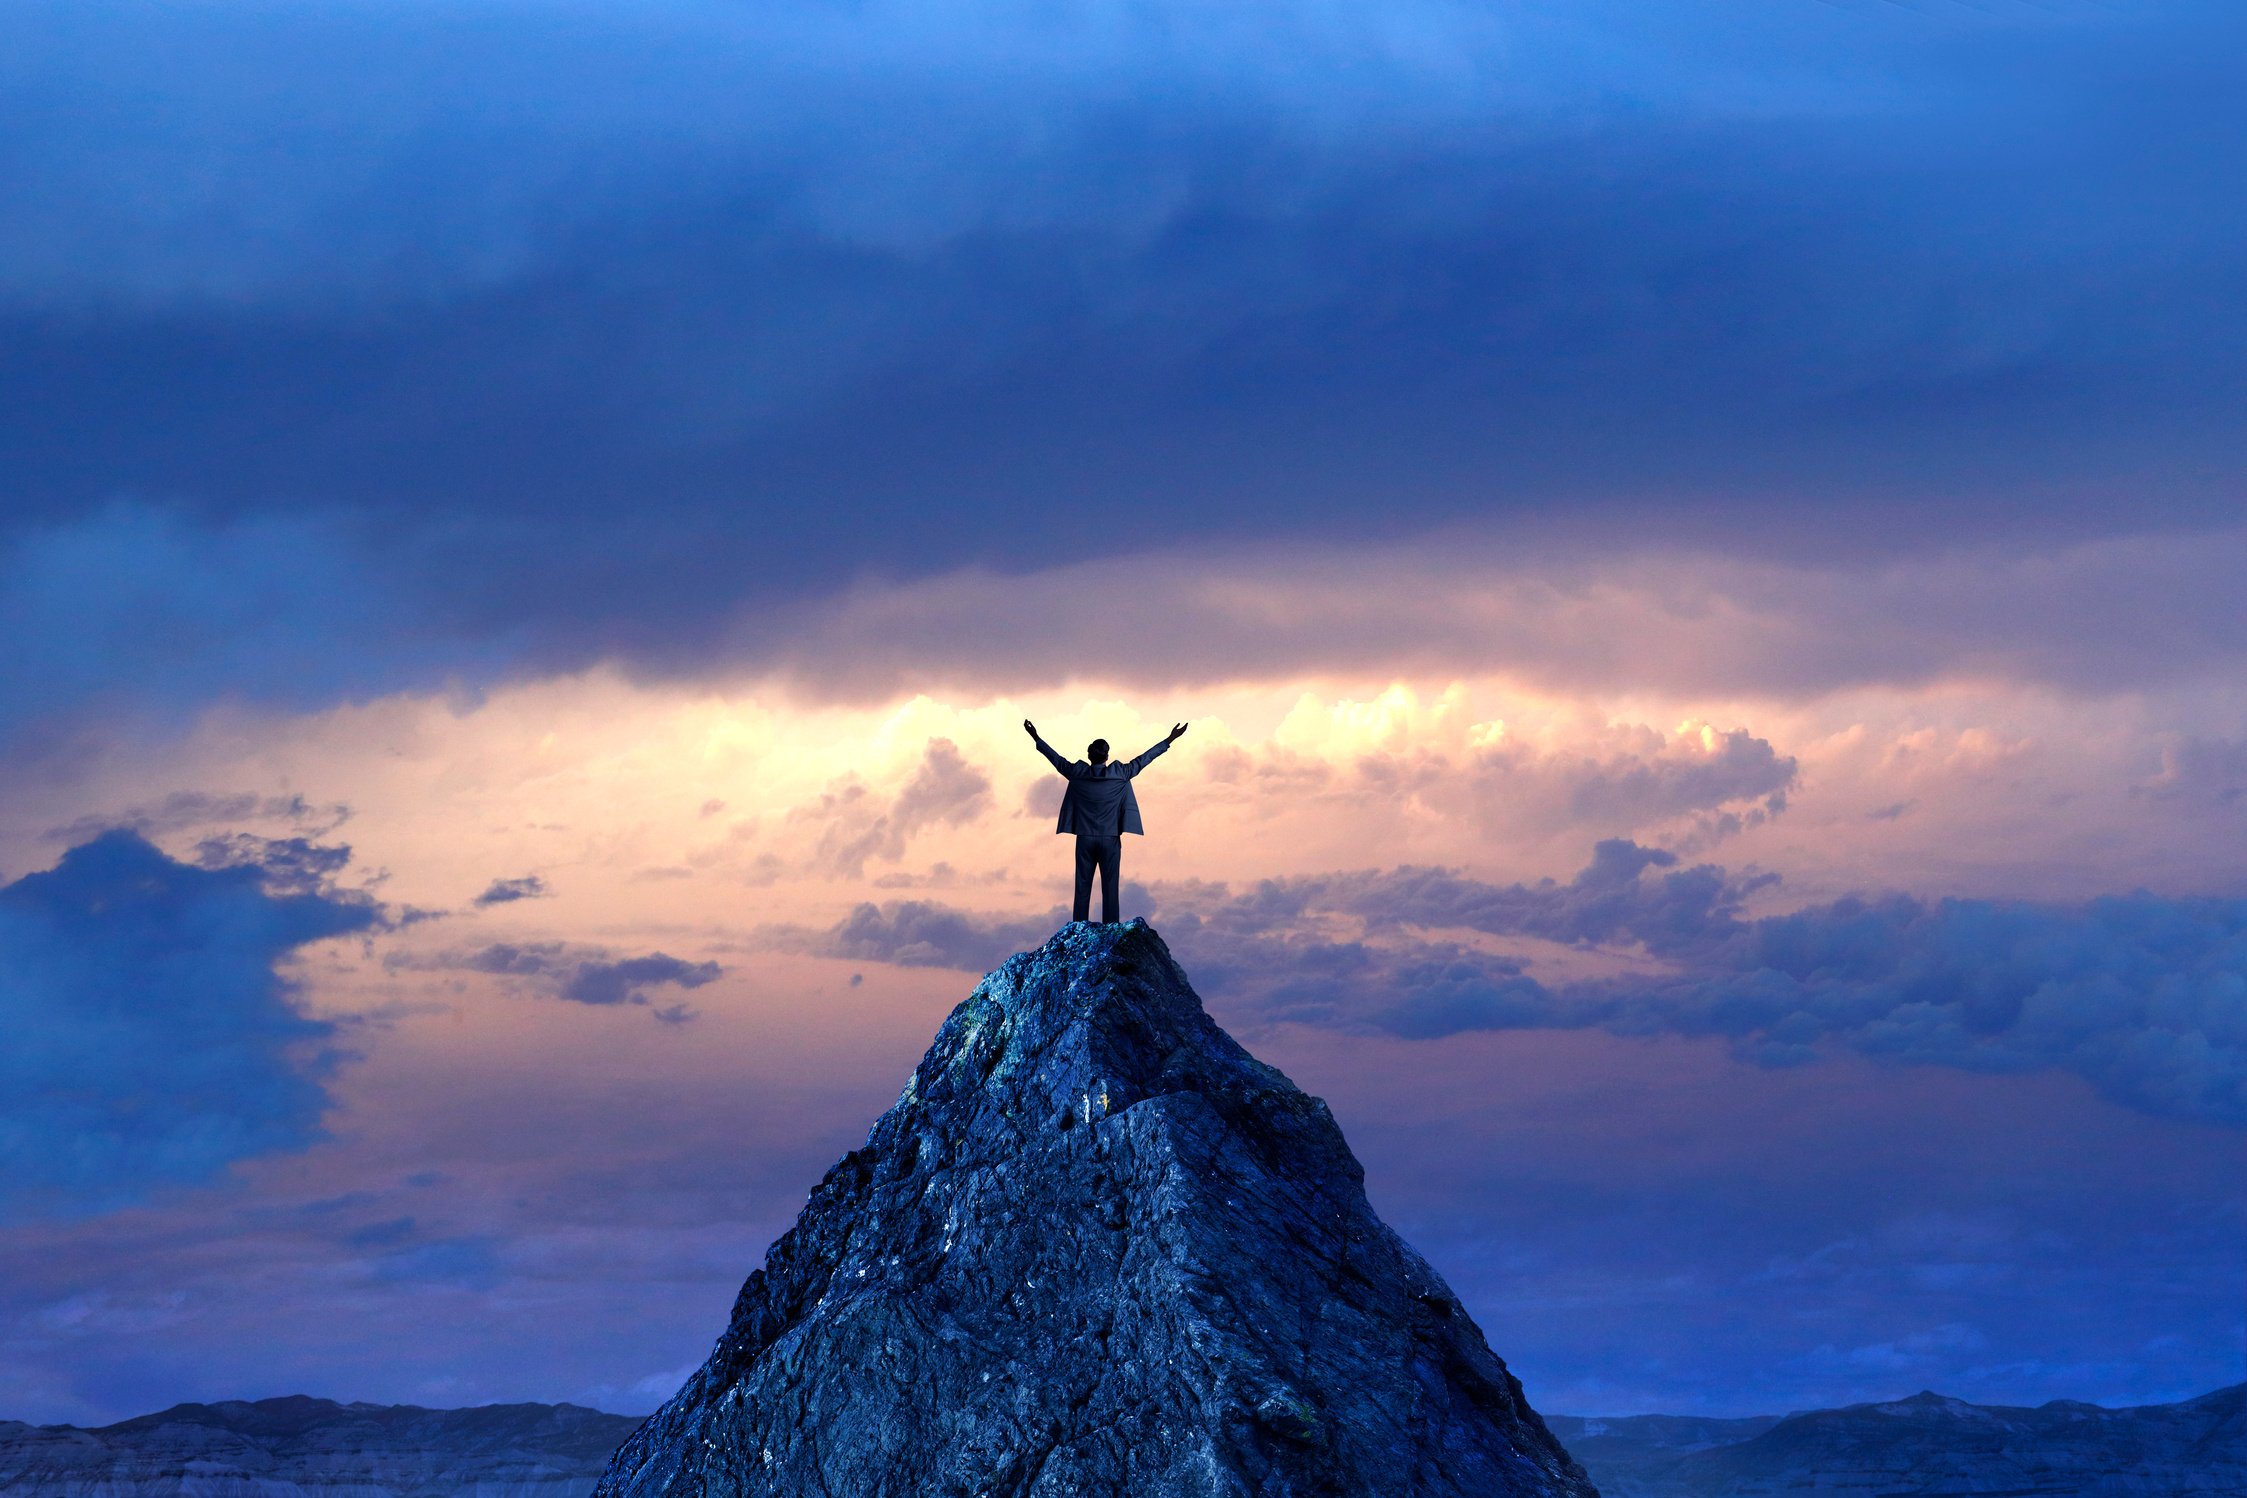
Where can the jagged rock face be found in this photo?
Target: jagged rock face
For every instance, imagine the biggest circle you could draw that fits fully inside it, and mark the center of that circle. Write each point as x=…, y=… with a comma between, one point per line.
x=1096, y=1248
x=1929, y=1445
x=313, y=1448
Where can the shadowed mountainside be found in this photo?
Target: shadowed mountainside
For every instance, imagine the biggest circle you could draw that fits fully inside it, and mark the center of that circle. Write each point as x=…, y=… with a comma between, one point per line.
x=1926, y=1447
x=1096, y=1248
x=283, y=1448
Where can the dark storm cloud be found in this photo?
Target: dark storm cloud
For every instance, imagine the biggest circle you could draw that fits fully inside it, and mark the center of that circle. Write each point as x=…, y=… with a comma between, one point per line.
x=148, y=610
x=462, y=339
x=2145, y=997
x=150, y=1039
x=582, y=975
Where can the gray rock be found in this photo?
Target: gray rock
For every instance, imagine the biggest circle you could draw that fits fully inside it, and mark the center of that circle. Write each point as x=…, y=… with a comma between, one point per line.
x=1927, y=1446
x=1096, y=1248
x=312, y=1448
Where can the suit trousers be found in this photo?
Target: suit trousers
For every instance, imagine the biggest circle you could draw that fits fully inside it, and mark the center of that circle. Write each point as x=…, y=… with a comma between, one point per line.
x=1106, y=855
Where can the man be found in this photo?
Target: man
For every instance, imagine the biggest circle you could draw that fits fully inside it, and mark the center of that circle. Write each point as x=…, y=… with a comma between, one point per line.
x=1099, y=808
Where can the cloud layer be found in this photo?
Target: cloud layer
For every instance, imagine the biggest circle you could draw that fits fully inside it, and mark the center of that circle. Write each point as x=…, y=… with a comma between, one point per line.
x=2092, y=616
x=509, y=356
x=2143, y=997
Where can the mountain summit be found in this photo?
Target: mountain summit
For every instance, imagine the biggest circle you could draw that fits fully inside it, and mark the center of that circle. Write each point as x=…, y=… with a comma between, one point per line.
x=1096, y=1248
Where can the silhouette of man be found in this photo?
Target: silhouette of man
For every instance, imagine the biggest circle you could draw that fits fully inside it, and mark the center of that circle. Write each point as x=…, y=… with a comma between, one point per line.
x=1099, y=808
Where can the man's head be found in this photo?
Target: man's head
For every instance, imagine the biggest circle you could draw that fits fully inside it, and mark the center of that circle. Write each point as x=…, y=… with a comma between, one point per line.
x=1097, y=751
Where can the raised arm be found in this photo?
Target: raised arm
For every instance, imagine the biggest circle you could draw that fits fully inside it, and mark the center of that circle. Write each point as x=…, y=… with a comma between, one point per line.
x=1047, y=749
x=1144, y=760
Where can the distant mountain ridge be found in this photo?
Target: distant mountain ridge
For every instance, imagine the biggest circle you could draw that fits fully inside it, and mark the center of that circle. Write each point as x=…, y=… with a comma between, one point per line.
x=299, y=1447
x=1927, y=1446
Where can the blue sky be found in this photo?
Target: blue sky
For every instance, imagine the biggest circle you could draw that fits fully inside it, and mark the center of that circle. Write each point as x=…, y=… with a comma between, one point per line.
x=1702, y=545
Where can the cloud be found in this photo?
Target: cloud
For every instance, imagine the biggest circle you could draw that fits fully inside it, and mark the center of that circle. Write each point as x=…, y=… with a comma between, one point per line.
x=1696, y=784
x=507, y=891
x=854, y=825
x=1737, y=766
x=186, y=809
x=472, y=1261
x=151, y=1039
x=1610, y=901
x=791, y=90
x=1415, y=989
x=915, y=933
x=582, y=975
x=148, y=612
x=145, y=637
x=623, y=980
x=2143, y=996
x=2091, y=615
x=288, y=865
x=2200, y=772
x=1337, y=274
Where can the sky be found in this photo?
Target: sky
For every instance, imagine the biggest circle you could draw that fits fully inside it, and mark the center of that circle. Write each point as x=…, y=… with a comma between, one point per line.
x=1700, y=546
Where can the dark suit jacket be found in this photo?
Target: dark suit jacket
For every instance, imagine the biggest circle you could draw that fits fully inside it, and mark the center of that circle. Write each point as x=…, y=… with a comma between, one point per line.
x=1099, y=802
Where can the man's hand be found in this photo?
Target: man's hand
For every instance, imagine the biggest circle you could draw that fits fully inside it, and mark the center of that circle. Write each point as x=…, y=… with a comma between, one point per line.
x=1029, y=728
x=1176, y=730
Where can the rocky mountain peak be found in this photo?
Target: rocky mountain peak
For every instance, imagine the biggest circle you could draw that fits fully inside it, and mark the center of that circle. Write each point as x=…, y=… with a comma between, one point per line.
x=1097, y=1020
x=1096, y=1247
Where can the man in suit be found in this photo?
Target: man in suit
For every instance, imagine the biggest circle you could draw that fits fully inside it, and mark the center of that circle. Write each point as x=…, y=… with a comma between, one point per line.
x=1099, y=808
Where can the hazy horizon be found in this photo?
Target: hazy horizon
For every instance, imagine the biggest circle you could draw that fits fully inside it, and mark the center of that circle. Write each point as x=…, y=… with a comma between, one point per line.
x=1701, y=548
